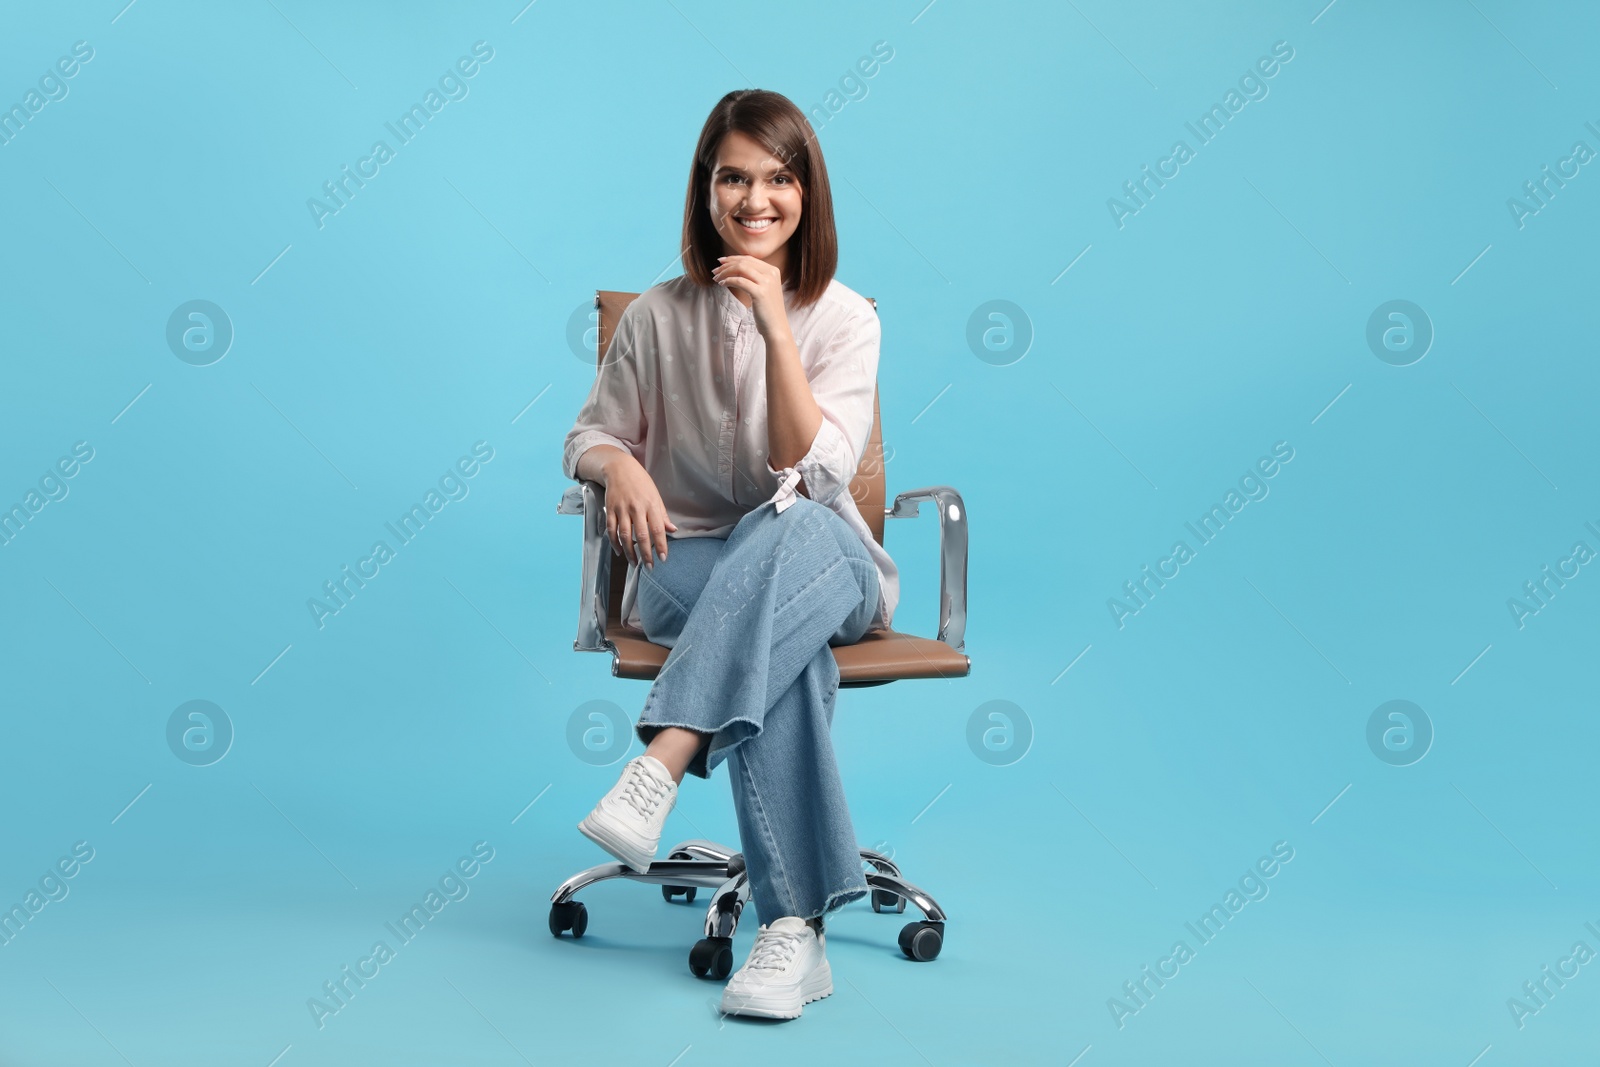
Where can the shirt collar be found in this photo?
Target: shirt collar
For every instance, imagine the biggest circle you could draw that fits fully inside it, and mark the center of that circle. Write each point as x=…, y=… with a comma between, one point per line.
x=730, y=303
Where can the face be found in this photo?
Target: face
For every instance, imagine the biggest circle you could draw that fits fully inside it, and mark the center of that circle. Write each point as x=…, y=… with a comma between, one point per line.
x=749, y=185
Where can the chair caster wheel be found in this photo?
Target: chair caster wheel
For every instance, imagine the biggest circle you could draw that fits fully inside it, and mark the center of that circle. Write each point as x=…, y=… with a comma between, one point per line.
x=883, y=900
x=668, y=892
x=922, y=940
x=569, y=916
x=712, y=957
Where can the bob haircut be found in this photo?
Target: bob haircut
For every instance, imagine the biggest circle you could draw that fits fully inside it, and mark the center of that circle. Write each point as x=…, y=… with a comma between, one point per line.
x=772, y=120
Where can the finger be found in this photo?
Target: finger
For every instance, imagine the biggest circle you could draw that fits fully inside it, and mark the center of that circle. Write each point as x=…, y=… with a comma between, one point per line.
x=625, y=531
x=658, y=536
x=641, y=538
x=641, y=530
x=647, y=539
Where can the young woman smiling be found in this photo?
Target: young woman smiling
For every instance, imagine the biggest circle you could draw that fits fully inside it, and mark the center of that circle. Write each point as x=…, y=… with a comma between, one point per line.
x=726, y=423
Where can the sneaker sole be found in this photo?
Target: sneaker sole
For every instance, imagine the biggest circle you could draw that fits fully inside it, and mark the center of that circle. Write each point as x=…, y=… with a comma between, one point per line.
x=608, y=838
x=817, y=985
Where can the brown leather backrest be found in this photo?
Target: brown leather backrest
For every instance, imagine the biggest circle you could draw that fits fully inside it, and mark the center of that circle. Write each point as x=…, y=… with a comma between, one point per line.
x=866, y=488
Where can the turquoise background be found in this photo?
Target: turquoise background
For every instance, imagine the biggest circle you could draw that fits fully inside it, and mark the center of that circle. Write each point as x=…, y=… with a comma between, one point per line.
x=432, y=312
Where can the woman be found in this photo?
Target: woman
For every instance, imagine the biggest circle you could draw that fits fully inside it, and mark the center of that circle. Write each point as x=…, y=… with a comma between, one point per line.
x=726, y=422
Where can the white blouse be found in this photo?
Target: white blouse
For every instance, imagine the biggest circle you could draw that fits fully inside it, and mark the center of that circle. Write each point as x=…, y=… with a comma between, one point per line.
x=683, y=390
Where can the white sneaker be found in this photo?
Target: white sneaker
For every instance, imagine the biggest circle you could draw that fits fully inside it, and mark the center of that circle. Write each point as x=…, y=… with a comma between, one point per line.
x=627, y=822
x=786, y=971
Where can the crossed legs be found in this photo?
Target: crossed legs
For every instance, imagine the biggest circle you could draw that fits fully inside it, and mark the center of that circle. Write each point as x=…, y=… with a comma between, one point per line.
x=751, y=679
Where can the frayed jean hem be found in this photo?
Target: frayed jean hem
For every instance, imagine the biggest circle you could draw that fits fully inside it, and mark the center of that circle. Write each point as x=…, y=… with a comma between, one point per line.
x=711, y=754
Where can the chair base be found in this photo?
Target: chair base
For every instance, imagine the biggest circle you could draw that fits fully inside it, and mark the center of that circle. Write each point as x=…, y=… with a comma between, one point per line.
x=705, y=864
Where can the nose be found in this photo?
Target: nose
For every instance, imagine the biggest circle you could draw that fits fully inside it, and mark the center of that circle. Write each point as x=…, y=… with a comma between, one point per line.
x=756, y=199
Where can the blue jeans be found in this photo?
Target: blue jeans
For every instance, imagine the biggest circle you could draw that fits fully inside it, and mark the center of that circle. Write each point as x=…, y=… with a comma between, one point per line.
x=749, y=620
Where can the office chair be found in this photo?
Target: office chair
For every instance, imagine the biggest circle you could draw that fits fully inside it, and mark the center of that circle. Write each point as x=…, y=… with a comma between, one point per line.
x=880, y=657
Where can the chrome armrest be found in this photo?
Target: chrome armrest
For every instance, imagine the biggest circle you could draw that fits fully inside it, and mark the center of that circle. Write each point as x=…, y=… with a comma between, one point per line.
x=594, y=593
x=952, y=555
x=572, y=501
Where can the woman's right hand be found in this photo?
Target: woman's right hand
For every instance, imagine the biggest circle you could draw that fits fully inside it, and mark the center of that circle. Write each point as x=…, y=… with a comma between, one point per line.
x=636, y=519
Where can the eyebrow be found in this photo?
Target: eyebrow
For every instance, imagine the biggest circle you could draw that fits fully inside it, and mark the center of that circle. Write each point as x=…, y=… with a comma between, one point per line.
x=729, y=168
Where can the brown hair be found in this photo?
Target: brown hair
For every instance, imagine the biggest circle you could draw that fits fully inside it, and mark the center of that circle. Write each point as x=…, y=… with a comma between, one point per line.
x=772, y=120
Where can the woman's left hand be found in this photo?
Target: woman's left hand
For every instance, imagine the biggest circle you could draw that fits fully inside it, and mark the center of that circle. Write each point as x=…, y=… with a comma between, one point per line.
x=763, y=282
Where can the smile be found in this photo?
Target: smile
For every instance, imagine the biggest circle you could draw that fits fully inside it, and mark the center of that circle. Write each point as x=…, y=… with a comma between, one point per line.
x=756, y=225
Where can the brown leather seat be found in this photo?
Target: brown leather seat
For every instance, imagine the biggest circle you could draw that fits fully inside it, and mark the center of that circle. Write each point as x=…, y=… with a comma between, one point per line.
x=880, y=656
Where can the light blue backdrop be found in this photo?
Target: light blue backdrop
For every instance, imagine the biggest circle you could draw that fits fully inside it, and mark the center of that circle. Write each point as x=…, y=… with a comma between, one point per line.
x=1156, y=351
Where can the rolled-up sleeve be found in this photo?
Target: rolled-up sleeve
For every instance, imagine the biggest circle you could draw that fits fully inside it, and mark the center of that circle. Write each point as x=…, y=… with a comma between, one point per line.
x=843, y=381
x=614, y=413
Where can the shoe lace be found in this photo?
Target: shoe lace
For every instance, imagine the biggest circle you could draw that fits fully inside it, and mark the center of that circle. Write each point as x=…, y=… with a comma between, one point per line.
x=773, y=950
x=643, y=790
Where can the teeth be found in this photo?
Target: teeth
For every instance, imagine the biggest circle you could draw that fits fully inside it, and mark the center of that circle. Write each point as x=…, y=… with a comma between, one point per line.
x=751, y=224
